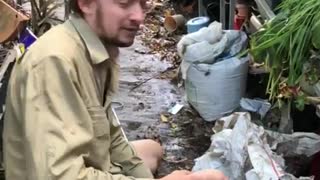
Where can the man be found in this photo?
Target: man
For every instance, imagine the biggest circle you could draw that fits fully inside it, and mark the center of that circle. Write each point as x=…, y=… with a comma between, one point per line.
x=59, y=124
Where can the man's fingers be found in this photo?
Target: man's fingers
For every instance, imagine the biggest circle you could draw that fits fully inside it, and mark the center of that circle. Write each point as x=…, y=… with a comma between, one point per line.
x=208, y=175
x=182, y=172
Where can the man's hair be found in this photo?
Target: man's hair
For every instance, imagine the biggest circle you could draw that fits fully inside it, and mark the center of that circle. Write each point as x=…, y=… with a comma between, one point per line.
x=73, y=4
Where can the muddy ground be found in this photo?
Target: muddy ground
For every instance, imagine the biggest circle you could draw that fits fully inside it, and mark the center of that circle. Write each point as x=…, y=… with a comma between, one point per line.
x=147, y=91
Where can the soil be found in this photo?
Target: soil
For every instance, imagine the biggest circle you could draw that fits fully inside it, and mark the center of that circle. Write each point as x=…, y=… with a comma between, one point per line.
x=147, y=92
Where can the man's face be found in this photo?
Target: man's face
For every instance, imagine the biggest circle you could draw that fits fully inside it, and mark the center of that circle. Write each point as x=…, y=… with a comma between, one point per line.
x=117, y=21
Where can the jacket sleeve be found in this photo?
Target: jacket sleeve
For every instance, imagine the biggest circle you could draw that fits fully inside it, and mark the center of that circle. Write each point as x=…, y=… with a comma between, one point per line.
x=124, y=154
x=56, y=117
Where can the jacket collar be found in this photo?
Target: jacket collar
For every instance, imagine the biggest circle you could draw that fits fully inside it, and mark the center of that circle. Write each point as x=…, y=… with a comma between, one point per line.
x=97, y=50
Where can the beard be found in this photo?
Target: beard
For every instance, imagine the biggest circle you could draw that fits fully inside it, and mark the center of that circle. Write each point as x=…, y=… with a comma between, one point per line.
x=103, y=35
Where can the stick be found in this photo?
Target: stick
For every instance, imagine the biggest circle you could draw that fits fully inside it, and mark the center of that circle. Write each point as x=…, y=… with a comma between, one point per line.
x=145, y=81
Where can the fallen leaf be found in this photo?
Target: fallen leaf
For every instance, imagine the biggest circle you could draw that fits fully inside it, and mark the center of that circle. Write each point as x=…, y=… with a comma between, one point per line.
x=174, y=126
x=164, y=119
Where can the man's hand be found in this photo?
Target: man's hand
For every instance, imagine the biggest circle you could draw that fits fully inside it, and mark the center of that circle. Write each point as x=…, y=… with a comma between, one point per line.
x=201, y=175
x=175, y=175
x=208, y=175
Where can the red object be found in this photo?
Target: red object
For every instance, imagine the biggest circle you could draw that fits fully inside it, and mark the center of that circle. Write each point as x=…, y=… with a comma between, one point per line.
x=238, y=22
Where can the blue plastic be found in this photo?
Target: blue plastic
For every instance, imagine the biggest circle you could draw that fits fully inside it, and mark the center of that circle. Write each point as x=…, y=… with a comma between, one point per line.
x=195, y=24
x=27, y=37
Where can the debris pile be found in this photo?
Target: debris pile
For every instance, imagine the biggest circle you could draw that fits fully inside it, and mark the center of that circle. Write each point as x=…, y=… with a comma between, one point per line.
x=155, y=36
x=243, y=150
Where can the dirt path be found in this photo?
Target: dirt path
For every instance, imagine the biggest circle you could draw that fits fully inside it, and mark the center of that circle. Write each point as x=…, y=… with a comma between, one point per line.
x=146, y=93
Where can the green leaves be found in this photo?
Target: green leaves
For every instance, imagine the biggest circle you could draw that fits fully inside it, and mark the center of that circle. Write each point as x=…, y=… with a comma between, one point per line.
x=284, y=45
x=316, y=35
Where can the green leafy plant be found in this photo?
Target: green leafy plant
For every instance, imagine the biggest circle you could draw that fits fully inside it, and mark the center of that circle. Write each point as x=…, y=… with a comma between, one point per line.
x=284, y=46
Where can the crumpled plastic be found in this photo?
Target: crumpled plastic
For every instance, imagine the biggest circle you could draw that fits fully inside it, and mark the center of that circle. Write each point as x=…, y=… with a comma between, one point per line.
x=210, y=45
x=241, y=150
x=255, y=105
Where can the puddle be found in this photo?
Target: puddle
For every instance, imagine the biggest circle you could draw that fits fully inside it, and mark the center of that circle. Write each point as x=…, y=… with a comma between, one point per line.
x=145, y=96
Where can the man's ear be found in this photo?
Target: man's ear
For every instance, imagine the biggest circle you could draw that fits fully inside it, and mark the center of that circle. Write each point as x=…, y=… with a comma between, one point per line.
x=88, y=7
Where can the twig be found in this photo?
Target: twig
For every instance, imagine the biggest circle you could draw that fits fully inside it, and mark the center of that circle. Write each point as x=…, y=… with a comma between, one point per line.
x=145, y=81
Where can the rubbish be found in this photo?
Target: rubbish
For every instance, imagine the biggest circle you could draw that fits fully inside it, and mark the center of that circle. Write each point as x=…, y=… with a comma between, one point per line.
x=210, y=45
x=215, y=78
x=163, y=118
x=11, y=21
x=174, y=126
x=240, y=150
x=27, y=38
x=176, y=108
x=211, y=34
x=209, y=99
x=262, y=162
x=172, y=23
x=197, y=23
x=156, y=37
x=255, y=105
x=294, y=144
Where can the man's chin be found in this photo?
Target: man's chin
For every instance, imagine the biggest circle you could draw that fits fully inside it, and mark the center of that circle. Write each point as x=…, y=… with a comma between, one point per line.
x=118, y=42
x=125, y=43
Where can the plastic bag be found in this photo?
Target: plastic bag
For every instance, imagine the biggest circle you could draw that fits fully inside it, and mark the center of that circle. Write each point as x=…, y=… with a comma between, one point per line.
x=215, y=90
x=215, y=77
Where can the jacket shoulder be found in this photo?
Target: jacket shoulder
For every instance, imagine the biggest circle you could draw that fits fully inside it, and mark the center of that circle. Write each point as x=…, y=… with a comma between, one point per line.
x=60, y=41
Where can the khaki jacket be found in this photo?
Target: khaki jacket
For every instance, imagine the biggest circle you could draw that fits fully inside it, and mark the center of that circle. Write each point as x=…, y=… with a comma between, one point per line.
x=58, y=122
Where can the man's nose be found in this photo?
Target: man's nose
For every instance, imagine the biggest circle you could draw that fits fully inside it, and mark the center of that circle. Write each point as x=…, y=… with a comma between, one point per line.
x=137, y=14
